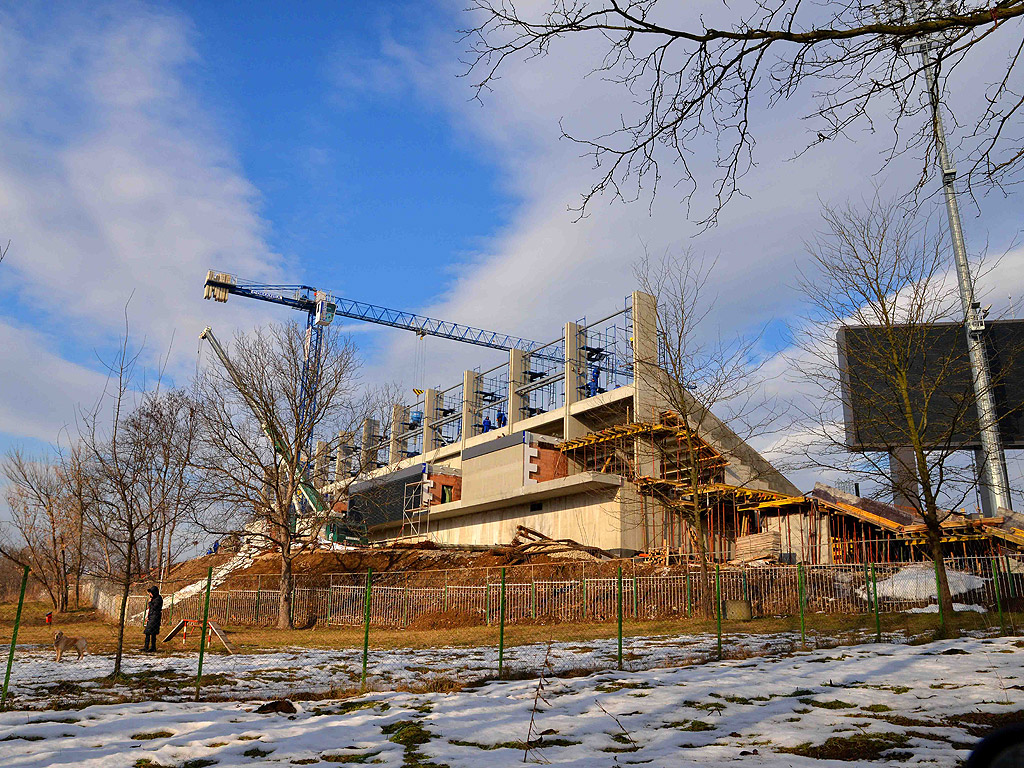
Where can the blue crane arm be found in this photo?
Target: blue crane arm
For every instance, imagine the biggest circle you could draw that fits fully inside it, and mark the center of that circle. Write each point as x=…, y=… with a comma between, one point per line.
x=304, y=297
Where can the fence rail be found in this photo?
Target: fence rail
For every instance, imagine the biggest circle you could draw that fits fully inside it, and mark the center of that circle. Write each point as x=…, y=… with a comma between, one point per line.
x=533, y=595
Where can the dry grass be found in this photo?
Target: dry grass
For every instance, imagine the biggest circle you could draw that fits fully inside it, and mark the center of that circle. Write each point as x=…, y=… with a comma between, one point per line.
x=823, y=630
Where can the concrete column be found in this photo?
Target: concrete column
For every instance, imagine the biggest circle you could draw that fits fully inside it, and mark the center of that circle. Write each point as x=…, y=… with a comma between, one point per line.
x=470, y=405
x=903, y=473
x=987, y=510
x=343, y=459
x=399, y=415
x=646, y=373
x=369, y=454
x=575, y=377
x=429, y=417
x=517, y=362
x=320, y=464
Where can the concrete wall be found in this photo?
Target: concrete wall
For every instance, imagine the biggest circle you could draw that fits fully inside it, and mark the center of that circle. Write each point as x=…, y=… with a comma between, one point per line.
x=494, y=472
x=592, y=518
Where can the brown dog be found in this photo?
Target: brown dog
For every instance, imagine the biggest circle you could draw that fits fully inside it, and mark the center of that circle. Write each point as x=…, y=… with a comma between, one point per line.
x=62, y=642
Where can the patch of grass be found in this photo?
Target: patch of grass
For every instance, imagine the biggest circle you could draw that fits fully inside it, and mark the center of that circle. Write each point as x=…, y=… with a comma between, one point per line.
x=215, y=744
x=860, y=746
x=361, y=758
x=256, y=752
x=17, y=737
x=621, y=685
x=690, y=725
x=982, y=723
x=149, y=735
x=519, y=745
x=145, y=762
x=199, y=762
x=835, y=704
x=411, y=734
x=249, y=738
x=877, y=708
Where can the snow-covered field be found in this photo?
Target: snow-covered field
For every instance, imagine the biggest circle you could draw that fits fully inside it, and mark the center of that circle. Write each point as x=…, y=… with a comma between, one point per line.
x=907, y=703
x=39, y=682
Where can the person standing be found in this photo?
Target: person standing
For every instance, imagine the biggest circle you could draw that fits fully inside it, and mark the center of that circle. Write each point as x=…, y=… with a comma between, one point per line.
x=154, y=609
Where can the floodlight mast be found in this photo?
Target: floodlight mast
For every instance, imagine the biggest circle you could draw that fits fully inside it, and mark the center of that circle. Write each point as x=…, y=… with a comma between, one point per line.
x=996, y=491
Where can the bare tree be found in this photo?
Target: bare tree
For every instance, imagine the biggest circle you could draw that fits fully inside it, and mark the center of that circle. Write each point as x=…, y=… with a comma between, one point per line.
x=255, y=427
x=168, y=422
x=686, y=75
x=119, y=456
x=880, y=277
x=45, y=527
x=711, y=387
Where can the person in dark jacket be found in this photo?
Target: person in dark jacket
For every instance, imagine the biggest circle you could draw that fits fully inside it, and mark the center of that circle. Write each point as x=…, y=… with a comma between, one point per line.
x=153, y=610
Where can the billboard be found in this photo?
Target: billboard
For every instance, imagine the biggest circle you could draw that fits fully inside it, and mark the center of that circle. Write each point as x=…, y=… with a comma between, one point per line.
x=940, y=383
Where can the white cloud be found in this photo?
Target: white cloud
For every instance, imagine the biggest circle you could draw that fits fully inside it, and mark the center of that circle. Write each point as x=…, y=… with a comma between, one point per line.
x=115, y=183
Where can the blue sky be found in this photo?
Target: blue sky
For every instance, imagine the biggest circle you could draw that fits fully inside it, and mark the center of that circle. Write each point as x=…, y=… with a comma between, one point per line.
x=335, y=144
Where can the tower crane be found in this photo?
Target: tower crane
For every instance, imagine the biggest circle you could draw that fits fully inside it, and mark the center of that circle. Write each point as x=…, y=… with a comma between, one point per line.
x=321, y=308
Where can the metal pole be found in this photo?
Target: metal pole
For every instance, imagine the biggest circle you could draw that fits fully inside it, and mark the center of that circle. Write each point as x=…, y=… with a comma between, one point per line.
x=366, y=623
x=14, y=638
x=874, y=594
x=997, y=486
x=718, y=607
x=999, y=598
x=800, y=592
x=202, y=634
x=619, y=596
x=501, y=627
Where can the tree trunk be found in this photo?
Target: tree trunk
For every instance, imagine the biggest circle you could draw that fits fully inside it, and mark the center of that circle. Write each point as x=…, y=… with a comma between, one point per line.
x=284, y=605
x=126, y=588
x=934, y=537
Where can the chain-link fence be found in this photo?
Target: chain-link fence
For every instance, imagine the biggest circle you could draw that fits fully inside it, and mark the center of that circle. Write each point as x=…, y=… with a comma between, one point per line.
x=446, y=629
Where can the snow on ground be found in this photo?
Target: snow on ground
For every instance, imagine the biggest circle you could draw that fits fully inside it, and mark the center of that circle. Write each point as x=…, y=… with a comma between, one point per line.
x=912, y=704
x=40, y=682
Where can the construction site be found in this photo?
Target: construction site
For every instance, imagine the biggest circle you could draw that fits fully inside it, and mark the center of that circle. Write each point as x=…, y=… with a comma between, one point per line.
x=575, y=442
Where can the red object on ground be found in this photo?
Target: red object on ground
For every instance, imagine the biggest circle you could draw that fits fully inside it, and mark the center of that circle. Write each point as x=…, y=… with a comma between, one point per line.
x=49, y=617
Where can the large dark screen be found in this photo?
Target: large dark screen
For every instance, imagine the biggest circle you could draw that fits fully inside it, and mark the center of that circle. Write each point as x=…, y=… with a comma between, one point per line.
x=940, y=380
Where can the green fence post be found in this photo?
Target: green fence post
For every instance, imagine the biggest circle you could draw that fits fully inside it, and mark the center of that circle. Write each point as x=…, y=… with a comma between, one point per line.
x=14, y=638
x=800, y=592
x=874, y=594
x=202, y=636
x=938, y=598
x=259, y=593
x=619, y=595
x=446, y=597
x=718, y=607
x=999, y=599
x=366, y=623
x=501, y=627
x=746, y=586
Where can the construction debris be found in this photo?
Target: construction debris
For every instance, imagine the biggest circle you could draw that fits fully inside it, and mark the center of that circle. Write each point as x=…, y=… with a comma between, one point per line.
x=529, y=543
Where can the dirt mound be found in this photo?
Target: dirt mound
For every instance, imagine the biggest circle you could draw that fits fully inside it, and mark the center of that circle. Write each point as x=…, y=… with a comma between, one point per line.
x=445, y=620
